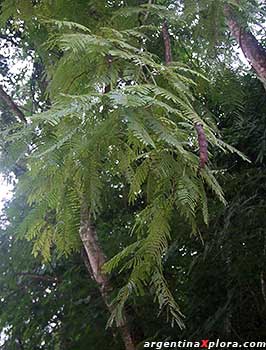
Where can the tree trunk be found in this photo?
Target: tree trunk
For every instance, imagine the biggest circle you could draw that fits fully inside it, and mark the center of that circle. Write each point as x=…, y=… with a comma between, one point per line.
x=253, y=51
x=96, y=259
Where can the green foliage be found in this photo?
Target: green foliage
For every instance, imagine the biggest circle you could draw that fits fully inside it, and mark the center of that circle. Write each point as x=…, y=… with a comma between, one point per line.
x=115, y=125
x=143, y=124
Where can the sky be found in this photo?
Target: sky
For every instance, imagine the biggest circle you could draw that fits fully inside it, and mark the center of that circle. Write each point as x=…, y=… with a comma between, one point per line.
x=17, y=64
x=5, y=192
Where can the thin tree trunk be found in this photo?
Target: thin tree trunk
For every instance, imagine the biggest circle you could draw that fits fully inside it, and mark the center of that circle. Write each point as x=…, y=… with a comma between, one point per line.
x=202, y=140
x=96, y=260
x=167, y=43
x=12, y=105
x=252, y=49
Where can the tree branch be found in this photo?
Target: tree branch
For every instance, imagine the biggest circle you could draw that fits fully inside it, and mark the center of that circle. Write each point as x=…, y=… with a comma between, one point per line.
x=202, y=141
x=167, y=43
x=39, y=277
x=251, y=48
x=203, y=145
x=12, y=105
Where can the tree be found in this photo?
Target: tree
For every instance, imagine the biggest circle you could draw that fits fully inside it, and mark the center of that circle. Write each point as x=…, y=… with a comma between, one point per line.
x=116, y=111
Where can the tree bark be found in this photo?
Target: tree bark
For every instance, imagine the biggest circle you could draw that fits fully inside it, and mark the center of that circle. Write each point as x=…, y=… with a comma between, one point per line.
x=251, y=48
x=167, y=43
x=203, y=145
x=12, y=105
x=96, y=260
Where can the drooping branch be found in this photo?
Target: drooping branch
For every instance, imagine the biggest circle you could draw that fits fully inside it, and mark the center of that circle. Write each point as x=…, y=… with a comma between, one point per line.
x=203, y=145
x=167, y=43
x=39, y=277
x=12, y=105
x=251, y=48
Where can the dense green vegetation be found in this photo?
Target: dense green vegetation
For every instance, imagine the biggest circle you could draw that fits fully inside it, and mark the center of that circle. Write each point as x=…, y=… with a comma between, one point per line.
x=121, y=229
